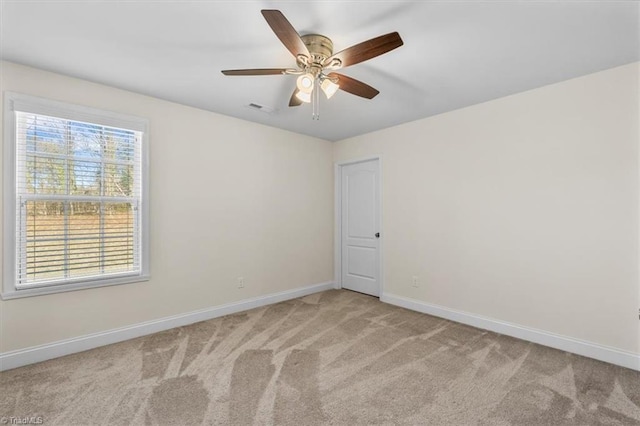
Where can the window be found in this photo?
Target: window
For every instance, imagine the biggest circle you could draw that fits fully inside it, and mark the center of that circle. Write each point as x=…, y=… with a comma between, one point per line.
x=75, y=198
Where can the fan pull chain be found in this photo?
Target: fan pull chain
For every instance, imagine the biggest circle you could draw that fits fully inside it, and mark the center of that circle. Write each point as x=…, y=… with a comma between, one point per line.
x=315, y=99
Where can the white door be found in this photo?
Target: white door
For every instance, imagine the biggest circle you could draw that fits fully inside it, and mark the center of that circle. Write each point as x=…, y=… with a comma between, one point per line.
x=360, y=219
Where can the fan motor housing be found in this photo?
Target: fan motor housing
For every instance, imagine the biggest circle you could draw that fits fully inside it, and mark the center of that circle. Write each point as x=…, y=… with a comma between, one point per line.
x=319, y=46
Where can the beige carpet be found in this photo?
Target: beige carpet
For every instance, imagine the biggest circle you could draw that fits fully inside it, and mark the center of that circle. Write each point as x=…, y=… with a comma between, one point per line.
x=335, y=357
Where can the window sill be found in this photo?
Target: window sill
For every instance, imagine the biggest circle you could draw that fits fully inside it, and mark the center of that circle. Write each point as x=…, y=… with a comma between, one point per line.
x=82, y=285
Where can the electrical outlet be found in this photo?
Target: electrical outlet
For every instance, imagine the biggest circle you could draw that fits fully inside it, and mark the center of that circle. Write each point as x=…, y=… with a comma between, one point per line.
x=240, y=282
x=414, y=282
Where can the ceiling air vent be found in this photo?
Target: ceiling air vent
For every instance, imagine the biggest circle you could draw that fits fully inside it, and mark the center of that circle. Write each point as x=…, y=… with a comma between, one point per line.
x=261, y=108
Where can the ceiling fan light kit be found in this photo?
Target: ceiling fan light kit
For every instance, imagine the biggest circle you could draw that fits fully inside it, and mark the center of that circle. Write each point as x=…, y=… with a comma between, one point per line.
x=316, y=62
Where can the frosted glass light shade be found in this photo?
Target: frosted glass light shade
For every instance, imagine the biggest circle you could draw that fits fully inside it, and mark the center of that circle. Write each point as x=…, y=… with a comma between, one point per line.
x=329, y=88
x=305, y=83
x=304, y=96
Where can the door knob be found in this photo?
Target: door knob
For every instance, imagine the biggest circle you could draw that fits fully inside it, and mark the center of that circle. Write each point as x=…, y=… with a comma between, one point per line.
x=377, y=235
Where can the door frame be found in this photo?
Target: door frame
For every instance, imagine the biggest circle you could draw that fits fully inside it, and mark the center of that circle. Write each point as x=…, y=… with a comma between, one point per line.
x=337, y=236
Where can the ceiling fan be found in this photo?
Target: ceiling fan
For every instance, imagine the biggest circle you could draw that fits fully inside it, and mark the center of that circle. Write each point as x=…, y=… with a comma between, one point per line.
x=316, y=62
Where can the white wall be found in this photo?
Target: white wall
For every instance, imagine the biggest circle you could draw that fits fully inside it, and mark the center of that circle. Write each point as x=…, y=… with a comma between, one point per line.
x=522, y=209
x=228, y=198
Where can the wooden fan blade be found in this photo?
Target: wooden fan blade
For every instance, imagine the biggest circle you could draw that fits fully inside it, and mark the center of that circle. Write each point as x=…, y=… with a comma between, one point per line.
x=294, y=101
x=256, y=71
x=285, y=32
x=353, y=86
x=367, y=49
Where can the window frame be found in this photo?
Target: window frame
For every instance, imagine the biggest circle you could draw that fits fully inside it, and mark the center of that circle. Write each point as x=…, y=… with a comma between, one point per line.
x=68, y=111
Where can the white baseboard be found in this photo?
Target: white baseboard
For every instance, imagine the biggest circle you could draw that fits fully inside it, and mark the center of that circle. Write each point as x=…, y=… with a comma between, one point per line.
x=568, y=344
x=21, y=357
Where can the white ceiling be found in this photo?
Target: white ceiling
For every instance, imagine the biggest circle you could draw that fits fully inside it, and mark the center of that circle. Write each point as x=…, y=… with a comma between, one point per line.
x=455, y=53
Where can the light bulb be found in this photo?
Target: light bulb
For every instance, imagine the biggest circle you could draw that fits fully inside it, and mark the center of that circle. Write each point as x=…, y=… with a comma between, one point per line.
x=329, y=87
x=303, y=96
x=305, y=83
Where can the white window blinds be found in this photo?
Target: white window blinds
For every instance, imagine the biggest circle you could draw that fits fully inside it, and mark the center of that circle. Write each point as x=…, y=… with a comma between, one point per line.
x=78, y=200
